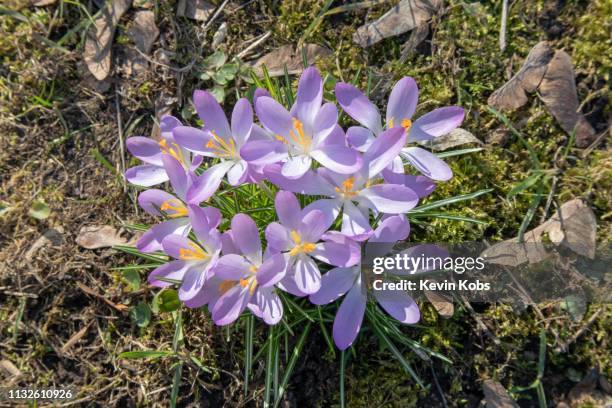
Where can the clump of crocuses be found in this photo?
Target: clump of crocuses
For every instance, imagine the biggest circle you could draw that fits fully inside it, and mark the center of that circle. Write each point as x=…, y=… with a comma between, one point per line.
x=356, y=186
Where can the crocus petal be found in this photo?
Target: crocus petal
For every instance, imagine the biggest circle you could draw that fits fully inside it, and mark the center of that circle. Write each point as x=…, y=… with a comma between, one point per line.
x=338, y=158
x=436, y=123
x=390, y=198
x=349, y=317
x=152, y=200
x=399, y=305
x=421, y=185
x=427, y=163
x=211, y=113
x=174, y=270
x=354, y=222
x=329, y=207
x=229, y=306
x=288, y=285
x=334, y=284
x=146, y=175
x=272, y=270
x=296, y=166
x=176, y=174
x=228, y=244
x=260, y=92
x=288, y=209
x=199, y=299
x=359, y=137
x=273, y=116
x=278, y=237
x=193, y=139
x=313, y=225
x=402, y=101
x=232, y=267
x=166, y=124
x=309, y=96
x=144, y=148
x=358, y=106
x=335, y=137
x=261, y=152
x=151, y=240
x=242, y=121
x=337, y=254
x=193, y=282
x=238, y=173
x=307, y=275
x=207, y=184
x=391, y=229
x=310, y=183
x=325, y=123
x=383, y=150
x=203, y=219
x=246, y=236
x=269, y=304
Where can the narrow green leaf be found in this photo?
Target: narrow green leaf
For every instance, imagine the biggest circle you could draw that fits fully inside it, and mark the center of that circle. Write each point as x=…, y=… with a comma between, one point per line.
x=451, y=200
x=291, y=365
x=152, y=354
x=458, y=152
x=269, y=362
x=343, y=357
x=524, y=185
x=248, y=352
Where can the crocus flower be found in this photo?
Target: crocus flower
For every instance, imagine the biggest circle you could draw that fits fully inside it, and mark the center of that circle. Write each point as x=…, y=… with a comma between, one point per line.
x=298, y=236
x=354, y=194
x=218, y=140
x=401, y=106
x=340, y=281
x=174, y=207
x=193, y=259
x=248, y=277
x=302, y=135
x=151, y=152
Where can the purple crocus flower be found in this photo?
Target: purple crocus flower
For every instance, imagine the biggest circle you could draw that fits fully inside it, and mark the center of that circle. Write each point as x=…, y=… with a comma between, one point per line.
x=354, y=194
x=298, y=236
x=193, y=259
x=151, y=152
x=401, y=106
x=340, y=281
x=174, y=207
x=248, y=277
x=306, y=133
x=218, y=140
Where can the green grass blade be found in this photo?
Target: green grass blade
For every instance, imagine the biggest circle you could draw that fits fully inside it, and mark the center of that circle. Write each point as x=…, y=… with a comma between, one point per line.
x=524, y=185
x=269, y=362
x=248, y=352
x=176, y=384
x=535, y=202
x=451, y=200
x=290, y=366
x=448, y=217
x=152, y=354
x=458, y=152
x=343, y=357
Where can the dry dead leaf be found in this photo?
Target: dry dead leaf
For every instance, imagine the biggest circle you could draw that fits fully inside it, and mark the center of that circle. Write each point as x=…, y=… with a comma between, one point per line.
x=143, y=32
x=575, y=228
x=97, y=53
x=219, y=36
x=10, y=368
x=443, y=306
x=407, y=15
x=512, y=94
x=195, y=9
x=163, y=106
x=99, y=236
x=51, y=237
x=417, y=36
x=558, y=92
x=455, y=138
x=75, y=338
x=276, y=60
x=93, y=293
x=496, y=395
x=42, y=3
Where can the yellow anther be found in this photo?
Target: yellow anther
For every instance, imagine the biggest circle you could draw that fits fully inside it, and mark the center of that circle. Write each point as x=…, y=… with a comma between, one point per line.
x=193, y=253
x=300, y=138
x=300, y=247
x=220, y=147
x=347, y=188
x=176, y=207
x=253, y=269
x=406, y=124
x=295, y=237
x=172, y=149
x=250, y=282
x=390, y=123
x=281, y=139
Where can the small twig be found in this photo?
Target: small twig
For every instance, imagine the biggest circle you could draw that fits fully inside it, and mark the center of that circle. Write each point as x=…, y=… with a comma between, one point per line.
x=435, y=377
x=121, y=146
x=502, y=29
x=254, y=45
x=561, y=348
x=214, y=16
x=593, y=145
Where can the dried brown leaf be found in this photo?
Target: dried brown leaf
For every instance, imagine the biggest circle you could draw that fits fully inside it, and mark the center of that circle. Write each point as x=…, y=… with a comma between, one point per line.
x=407, y=15
x=512, y=94
x=558, y=92
x=276, y=60
x=51, y=237
x=99, y=236
x=75, y=338
x=42, y=3
x=195, y=9
x=143, y=32
x=97, y=53
x=496, y=395
x=443, y=306
x=457, y=137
